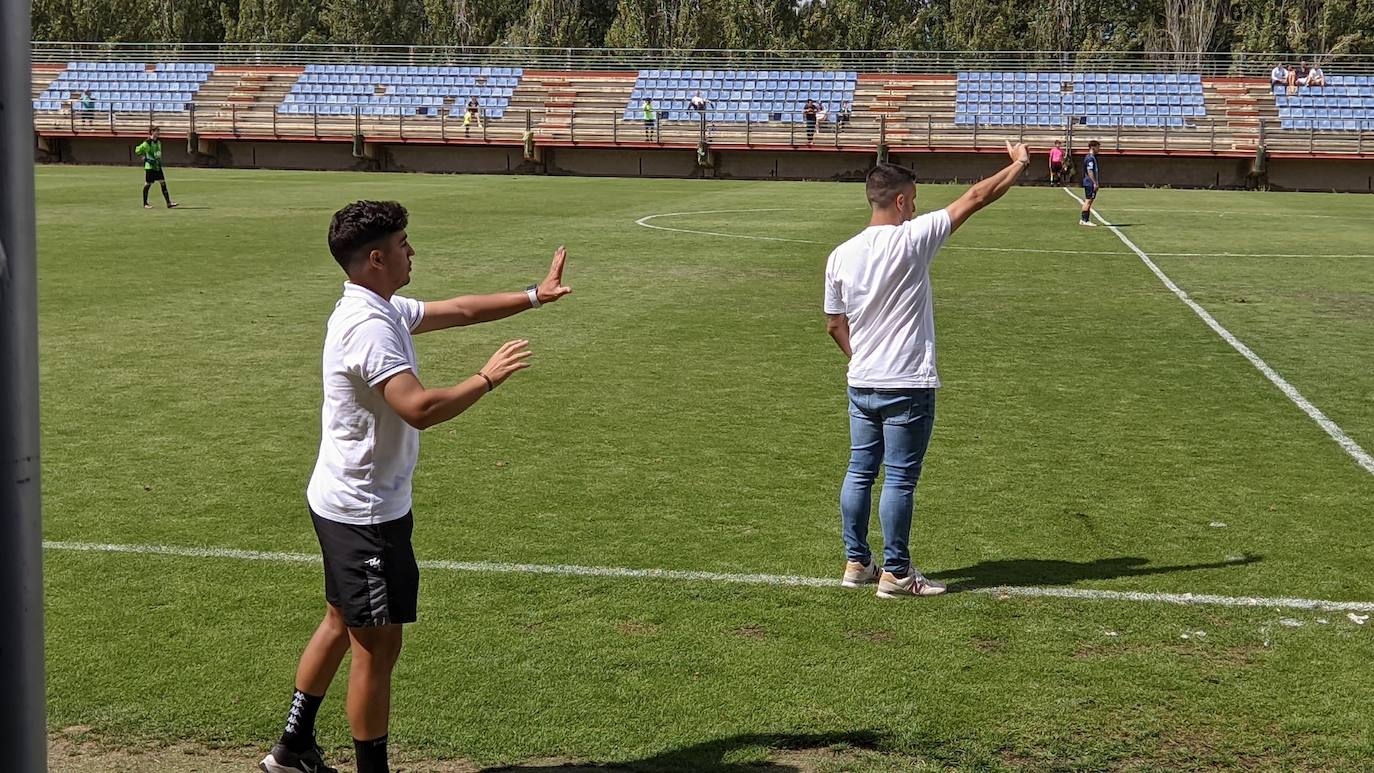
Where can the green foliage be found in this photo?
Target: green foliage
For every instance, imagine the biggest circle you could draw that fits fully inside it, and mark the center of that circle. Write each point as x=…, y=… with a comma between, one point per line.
x=1319, y=26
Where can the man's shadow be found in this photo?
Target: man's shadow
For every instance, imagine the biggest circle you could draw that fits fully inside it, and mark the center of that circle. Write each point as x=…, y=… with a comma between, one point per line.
x=1045, y=571
x=714, y=756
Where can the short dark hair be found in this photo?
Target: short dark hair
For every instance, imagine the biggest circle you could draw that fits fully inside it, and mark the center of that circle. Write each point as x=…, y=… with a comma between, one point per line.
x=1094, y=145
x=152, y=129
x=362, y=224
x=885, y=182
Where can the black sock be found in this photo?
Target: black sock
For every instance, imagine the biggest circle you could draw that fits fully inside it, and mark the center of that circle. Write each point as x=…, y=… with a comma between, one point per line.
x=1085, y=216
x=165, y=196
x=300, y=722
x=145, y=194
x=371, y=755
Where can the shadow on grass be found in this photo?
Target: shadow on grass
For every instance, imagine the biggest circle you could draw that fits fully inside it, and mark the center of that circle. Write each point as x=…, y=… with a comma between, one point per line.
x=1041, y=571
x=717, y=756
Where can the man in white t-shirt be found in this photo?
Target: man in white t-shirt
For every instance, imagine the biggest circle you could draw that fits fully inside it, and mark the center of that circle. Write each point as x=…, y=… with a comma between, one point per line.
x=359, y=495
x=878, y=303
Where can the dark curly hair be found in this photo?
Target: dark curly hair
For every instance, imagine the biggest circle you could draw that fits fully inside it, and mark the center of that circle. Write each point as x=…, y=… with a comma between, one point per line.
x=361, y=225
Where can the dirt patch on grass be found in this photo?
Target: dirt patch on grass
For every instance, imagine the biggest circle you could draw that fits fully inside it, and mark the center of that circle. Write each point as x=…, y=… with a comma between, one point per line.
x=751, y=632
x=73, y=751
x=637, y=628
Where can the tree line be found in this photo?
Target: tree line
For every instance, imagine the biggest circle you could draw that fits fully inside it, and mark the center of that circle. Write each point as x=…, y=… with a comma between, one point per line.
x=1148, y=26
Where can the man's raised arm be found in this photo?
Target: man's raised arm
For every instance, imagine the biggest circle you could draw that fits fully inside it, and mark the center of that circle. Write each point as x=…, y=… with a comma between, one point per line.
x=472, y=309
x=990, y=189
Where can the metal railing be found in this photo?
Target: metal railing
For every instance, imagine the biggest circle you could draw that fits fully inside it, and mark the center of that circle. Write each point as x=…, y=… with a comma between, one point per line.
x=609, y=128
x=1251, y=64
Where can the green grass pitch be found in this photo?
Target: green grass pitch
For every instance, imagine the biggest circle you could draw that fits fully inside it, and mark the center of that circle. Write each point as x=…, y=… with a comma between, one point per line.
x=686, y=411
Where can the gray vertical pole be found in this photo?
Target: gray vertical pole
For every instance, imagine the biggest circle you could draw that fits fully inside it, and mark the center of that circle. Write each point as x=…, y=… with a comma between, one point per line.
x=23, y=712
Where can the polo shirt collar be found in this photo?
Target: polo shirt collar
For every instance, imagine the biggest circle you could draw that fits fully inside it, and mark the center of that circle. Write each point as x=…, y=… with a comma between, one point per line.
x=371, y=299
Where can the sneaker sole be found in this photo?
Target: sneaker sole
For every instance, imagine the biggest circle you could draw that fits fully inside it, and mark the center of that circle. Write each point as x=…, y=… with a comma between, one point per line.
x=882, y=594
x=855, y=583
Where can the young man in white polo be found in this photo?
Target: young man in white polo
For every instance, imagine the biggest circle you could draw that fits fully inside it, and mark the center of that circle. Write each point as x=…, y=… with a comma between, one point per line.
x=359, y=494
x=880, y=313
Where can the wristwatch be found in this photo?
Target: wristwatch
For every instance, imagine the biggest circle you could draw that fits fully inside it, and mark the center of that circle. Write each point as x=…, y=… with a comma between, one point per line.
x=533, y=292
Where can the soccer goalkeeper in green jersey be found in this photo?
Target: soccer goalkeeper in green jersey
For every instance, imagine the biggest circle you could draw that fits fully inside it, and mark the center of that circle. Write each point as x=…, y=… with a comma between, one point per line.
x=151, y=151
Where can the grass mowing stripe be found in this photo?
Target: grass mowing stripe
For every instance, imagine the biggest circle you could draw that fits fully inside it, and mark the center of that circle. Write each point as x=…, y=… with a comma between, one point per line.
x=1346, y=443
x=570, y=570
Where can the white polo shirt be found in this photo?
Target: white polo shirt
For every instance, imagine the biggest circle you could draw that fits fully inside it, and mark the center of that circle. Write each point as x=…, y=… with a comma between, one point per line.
x=880, y=280
x=367, y=451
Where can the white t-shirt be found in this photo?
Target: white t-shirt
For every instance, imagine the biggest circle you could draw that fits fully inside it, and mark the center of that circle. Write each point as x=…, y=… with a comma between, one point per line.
x=880, y=280
x=1279, y=74
x=367, y=451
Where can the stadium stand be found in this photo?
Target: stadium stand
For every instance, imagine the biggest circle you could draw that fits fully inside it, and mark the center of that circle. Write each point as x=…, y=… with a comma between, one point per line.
x=740, y=96
x=257, y=108
x=1150, y=100
x=1345, y=103
x=329, y=89
x=167, y=87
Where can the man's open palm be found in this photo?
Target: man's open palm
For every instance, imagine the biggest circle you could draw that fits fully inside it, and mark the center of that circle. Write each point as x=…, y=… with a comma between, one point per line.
x=552, y=288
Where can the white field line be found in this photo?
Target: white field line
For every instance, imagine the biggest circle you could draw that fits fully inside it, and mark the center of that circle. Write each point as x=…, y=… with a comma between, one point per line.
x=1346, y=443
x=567, y=570
x=644, y=221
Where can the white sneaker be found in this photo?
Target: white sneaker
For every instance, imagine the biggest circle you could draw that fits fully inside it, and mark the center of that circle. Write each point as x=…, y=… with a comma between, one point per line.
x=1088, y=223
x=914, y=584
x=856, y=574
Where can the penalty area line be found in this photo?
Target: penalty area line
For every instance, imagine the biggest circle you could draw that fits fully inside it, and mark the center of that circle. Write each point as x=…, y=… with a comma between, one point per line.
x=731, y=578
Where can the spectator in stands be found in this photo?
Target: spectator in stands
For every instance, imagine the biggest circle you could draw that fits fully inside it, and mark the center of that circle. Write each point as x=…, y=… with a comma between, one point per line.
x=699, y=103
x=1300, y=75
x=809, y=115
x=1280, y=76
x=1056, y=162
x=821, y=115
x=87, y=107
x=842, y=117
x=473, y=114
x=650, y=119
x=1315, y=76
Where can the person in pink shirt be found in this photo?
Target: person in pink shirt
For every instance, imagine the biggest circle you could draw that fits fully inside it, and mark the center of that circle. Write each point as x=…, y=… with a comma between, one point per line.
x=1056, y=163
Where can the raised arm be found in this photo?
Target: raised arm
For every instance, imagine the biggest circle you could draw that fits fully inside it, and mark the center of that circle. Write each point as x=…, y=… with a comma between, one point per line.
x=472, y=309
x=990, y=189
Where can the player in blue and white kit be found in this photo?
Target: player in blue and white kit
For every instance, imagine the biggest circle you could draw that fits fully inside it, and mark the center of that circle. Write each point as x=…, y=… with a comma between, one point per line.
x=1090, y=183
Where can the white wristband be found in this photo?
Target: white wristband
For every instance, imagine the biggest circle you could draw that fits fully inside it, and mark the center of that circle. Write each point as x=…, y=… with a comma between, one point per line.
x=533, y=293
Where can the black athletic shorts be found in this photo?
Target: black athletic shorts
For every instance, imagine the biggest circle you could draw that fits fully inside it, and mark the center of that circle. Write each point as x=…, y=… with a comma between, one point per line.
x=370, y=572
x=151, y=176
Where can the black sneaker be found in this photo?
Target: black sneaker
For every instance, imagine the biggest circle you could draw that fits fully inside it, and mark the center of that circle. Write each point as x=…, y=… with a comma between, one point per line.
x=283, y=760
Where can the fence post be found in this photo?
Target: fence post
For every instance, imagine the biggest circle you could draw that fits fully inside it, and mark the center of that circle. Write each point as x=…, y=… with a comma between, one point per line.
x=401, y=124
x=315, y=121
x=572, y=125
x=1166, y=137
x=233, y=119
x=443, y=123
x=112, y=119
x=482, y=116
x=1212, y=146
x=793, y=130
x=615, y=128
x=71, y=118
x=975, y=132
x=748, y=128
x=930, y=125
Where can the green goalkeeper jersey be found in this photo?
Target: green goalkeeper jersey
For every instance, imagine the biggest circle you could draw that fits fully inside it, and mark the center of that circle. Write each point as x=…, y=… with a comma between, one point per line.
x=151, y=150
